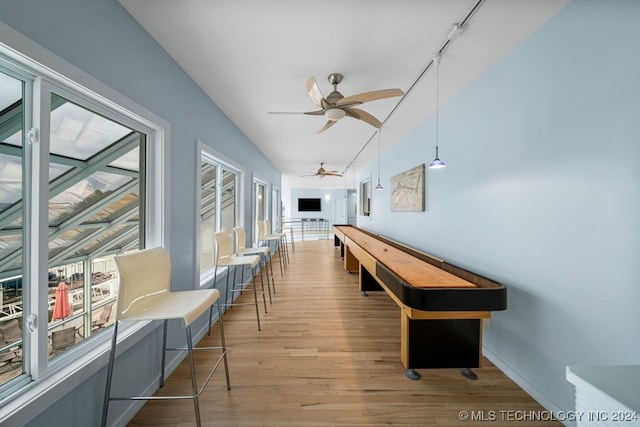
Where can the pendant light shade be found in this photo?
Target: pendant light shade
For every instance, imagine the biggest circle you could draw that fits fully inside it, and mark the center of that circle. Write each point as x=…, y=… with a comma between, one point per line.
x=437, y=163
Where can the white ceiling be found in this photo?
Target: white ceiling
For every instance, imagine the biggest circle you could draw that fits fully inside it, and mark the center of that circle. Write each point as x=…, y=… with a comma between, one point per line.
x=253, y=56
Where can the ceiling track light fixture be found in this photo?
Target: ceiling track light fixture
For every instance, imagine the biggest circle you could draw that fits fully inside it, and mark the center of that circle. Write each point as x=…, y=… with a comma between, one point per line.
x=453, y=32
x=437, y=163
x=379, y=186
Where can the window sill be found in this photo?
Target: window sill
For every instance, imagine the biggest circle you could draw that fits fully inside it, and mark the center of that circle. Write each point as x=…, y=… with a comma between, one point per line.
x=209, y=277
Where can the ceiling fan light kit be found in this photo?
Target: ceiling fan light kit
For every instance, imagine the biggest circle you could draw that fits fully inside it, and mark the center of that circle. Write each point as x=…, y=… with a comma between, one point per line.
x=334, y=114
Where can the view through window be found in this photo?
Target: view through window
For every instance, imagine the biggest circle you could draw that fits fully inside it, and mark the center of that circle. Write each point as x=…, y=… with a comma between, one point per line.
x=96, y=192
x=218, y=206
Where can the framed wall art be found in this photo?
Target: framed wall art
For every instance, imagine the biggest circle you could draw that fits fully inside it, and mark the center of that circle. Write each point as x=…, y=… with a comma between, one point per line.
x=408, y=190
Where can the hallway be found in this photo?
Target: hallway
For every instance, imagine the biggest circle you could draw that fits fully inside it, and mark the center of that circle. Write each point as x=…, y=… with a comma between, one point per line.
x=328, y=356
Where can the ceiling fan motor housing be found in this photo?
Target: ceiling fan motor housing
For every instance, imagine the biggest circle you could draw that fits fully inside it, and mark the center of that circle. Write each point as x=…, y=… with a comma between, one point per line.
x=335, y=78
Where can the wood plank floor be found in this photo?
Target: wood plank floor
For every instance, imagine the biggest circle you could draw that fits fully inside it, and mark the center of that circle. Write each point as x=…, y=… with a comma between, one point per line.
x=327, y=356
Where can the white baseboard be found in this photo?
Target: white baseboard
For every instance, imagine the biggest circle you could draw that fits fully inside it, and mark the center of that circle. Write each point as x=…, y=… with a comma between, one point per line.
x=524, y=384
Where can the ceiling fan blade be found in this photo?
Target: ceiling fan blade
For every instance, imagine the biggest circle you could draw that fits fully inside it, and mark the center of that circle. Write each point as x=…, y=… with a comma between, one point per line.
x=375, y=95
x=313, y=113
x=327, y=125
x=314, y=91
x=359, y=114
x=286, y=112
x=332, y=173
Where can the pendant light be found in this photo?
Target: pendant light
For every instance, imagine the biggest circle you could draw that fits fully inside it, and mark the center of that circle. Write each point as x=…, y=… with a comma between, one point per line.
x=379, y=186
x=437, y=163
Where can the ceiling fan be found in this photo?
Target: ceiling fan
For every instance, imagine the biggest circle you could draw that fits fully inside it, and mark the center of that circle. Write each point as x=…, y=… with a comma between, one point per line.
x=336, y=106
x=322, y=172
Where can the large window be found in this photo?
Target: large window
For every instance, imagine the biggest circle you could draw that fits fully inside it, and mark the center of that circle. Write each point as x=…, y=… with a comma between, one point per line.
x=94, y=212
x=73, y=193
x=219, y=208
x=259, y=203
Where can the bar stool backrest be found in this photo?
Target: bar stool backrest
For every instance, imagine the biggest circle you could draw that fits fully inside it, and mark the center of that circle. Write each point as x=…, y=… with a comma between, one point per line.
x=278, y=223
x=144, y=277
x=224, y=247
x=241, y=238
x=261, y=232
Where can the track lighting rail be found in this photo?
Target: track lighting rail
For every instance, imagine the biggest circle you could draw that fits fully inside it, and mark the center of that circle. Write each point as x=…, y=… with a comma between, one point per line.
x=452, y=33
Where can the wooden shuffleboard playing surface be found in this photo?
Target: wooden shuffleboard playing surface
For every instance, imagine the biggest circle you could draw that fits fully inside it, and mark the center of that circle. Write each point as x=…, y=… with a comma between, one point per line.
x=411, y=269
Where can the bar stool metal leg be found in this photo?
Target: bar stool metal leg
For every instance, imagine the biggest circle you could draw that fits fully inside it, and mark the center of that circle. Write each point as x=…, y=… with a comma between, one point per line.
x=107, y=391
x=164, y=351
x=194, y=385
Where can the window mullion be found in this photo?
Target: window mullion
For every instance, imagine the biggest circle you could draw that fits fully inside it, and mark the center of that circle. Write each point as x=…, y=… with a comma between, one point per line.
x=218, y=190
x=36, y=238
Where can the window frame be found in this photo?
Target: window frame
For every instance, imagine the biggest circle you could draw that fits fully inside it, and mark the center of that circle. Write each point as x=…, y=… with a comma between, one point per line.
x=276, y=203
x=266, y=204
x=222, y=164
x=44, y=381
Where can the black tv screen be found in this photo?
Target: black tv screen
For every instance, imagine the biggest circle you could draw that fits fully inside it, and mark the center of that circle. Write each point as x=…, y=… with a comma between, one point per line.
x=309, y=205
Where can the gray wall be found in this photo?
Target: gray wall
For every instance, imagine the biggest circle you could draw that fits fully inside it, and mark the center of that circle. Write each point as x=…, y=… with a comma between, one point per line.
x=103, y=40
x=541, y=193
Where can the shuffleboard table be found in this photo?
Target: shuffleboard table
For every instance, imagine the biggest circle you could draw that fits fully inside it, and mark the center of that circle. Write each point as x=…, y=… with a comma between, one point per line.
x=442, y=307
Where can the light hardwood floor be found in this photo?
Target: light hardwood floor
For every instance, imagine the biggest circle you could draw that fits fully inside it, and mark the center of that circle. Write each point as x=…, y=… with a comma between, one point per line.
x=327, y=356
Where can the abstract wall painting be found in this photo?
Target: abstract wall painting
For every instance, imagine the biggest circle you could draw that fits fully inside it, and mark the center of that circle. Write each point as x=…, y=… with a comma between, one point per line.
x=407, y=190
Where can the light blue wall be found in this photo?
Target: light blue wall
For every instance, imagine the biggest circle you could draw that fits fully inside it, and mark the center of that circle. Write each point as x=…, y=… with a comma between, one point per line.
x=541, y=192
x=103, y=40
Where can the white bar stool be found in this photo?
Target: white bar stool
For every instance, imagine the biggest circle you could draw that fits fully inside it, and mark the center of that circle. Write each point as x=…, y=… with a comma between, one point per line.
x=144, y=294
x=226, y=258
x=263, y=251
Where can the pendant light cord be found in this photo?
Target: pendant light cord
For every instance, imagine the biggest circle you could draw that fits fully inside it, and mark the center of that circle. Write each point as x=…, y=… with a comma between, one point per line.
x=440, y=51
x=379, y=186
x=379, y=138
x=437, y=59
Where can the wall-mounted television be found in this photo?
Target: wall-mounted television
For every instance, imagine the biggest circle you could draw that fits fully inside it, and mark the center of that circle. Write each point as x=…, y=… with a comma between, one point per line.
x=309, y=205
